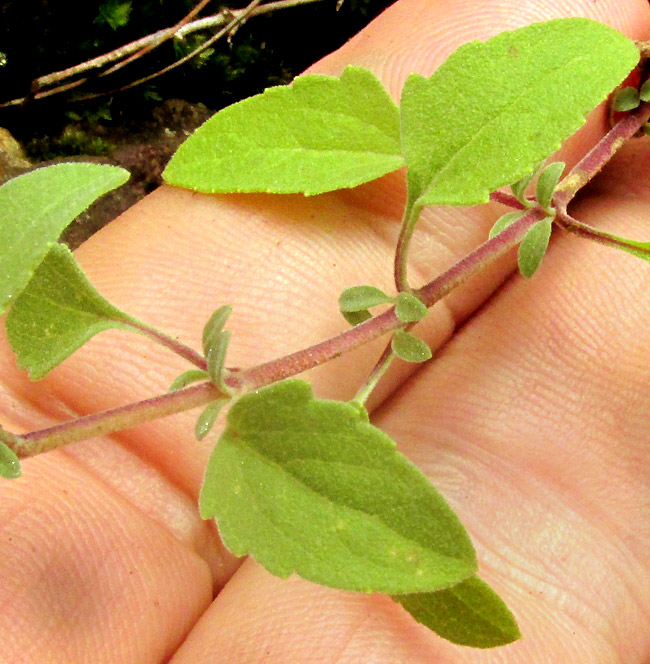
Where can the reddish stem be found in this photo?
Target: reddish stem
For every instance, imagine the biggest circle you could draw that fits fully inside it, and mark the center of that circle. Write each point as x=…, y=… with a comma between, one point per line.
x=308, y=358
x=593, y=162
x=124, y=417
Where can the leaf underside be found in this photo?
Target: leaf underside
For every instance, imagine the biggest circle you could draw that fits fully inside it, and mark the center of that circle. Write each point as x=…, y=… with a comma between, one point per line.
x=311, y=487
x=470, y=614
x=36, y=207
x=57, y=313
x=320, y=134
x=491, y=111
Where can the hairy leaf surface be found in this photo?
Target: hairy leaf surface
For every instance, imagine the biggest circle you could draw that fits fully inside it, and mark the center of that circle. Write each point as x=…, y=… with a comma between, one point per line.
x=57, y=313
x=491, y=111
x=356, y=317
x=358, y=298
x=319, y=134
x=470, y=614
x=506, y=220
x=208, y=417
x=409, y=309
x=36, y=207
x=213, y=328
x=310, y=487
x=9, y=463
x=187, y=378
x=409, y=347
x=547, y=182
x=534, y=246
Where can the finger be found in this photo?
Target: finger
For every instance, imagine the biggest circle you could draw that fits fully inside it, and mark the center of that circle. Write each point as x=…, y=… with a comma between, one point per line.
x=283, y=621
x=533, y=424
x=157, y=279
x=174, y=258
x=89, y=577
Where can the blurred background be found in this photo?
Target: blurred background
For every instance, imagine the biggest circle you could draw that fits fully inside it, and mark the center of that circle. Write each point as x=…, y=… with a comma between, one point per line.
x=135, y=116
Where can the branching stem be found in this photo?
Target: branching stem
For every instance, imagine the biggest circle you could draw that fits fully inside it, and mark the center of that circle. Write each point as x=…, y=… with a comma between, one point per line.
x=591, y=164
x=236, y=19
x=308, y=358
x=375, y=376
x=568, y=223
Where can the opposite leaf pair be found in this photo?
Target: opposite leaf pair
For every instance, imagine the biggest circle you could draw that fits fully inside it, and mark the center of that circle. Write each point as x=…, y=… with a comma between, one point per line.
x=356, y=301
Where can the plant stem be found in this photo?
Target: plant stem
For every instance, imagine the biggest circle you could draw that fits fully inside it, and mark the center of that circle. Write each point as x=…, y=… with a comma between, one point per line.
x=591, y=164
x=107, y=421
x=270, y=372
x=507, y=199
x=480, y=258
x=375, y=376
x=169, y=342
x=302, y=360
x=411, y=214
x=10, y=439
x=572, y=225
x=308, y=358
x=167, y=34
x=236, y=19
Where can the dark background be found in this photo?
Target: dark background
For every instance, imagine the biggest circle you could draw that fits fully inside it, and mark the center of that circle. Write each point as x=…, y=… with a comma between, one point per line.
x=41, y=36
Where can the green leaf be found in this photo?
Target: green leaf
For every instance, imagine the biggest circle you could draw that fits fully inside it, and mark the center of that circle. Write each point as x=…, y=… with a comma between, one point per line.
x=547, y=182
x=644, y=92
x=519, y=187
x=634, y=247
x=213, y=327
x=217, y=357
x=469, y=613
x=187, y=378
x=356, y=317
x=409, y=309
x=358, y=298
x=638, y=249
x=491, y=111
x=57, y=313
x=207, y=418
x=114, y=13
x=506, y=220
x=410, y=348
x=311, y=487
x=9, y=463
x=534, y=246
x=320, y=134
x=627, y=99
x=36, y=207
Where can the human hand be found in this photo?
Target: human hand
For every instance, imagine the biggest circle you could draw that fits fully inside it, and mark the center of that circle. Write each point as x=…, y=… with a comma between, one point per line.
x=531, y=420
